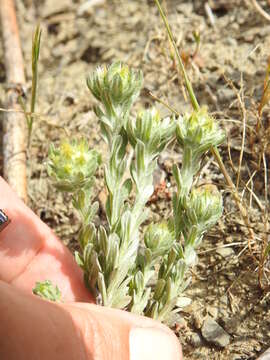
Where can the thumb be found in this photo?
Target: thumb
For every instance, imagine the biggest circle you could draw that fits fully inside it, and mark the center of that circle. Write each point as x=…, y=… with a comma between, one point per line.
x=37, y=329
x=119, y=335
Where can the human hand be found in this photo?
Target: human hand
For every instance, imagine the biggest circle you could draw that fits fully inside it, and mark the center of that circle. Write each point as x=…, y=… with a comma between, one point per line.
x=32, y=328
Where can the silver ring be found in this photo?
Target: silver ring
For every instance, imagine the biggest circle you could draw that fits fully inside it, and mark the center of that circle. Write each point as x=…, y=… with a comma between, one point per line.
x=4, y=220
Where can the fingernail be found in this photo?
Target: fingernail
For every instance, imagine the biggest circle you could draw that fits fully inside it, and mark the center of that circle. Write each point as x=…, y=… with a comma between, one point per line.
x=151, y=343
x=4, y=220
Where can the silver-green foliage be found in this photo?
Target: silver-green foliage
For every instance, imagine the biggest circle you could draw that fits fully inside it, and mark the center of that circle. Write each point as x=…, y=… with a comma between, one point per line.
x=146, y=277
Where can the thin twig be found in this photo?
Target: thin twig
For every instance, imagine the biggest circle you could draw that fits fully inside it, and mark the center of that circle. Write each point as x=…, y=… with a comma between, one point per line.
x=169, y=107
x=210, y=14
x=237, y=243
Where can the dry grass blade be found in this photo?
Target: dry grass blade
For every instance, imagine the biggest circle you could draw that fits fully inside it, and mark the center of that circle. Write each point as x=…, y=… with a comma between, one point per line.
x=35, y=56
x=243, y=112
x=266, y=92
x=265, y=250
x=191, y=94
x=240, y=97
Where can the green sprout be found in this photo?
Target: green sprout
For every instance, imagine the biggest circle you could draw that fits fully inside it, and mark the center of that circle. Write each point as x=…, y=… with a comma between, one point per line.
x=47, y=291
x=116, y=87
x=35, y=57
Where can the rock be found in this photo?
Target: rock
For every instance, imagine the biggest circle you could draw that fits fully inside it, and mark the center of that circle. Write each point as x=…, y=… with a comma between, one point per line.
x=196, y=340
x=228, y=239
x=198, y=320
x=88, y=7
x=230, y=324
x=225, y=252
x=230, y=41
x=213, y=311
x=185, y=9
x=52, y=7
x=214, y=334
x=177, y=321
x=225, y=95
x=224, y=300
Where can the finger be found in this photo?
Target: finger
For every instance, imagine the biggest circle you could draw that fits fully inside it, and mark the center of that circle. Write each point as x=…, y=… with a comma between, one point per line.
x=128, y=336
x=80, y=331
x=30, y=252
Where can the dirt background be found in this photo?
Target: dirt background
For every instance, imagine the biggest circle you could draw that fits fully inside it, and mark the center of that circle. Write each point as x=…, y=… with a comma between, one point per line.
x=228, y=75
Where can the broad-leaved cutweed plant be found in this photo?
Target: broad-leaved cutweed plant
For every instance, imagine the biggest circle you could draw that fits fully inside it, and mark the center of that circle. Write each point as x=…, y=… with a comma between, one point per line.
x=125, y=265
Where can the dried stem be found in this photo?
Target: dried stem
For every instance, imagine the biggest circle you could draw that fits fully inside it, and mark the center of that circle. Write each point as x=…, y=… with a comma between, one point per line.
x=264, y=250
x=14, y=127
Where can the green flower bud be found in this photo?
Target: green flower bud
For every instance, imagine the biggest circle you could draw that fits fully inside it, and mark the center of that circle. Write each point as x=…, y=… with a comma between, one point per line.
x=115, y=86
x=73, y=165
x=203, y=209
x=159, y=239
x=199, y=131
x=151, y=130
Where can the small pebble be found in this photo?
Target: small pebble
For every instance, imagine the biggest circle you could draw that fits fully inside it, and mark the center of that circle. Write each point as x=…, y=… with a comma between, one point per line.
x=225, y=252
x=225, y=95
x=214, y=334
x=196, y=340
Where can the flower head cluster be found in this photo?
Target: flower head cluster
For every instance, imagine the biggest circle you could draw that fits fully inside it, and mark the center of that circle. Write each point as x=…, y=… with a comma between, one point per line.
x=205, y=207
x=151, y=130
x=199, y=131
x=115, y=86
x=72, y=165
x=158, y=238
x=198, y=213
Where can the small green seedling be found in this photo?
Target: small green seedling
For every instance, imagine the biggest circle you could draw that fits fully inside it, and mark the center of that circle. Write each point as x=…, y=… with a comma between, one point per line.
x=47, y=291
